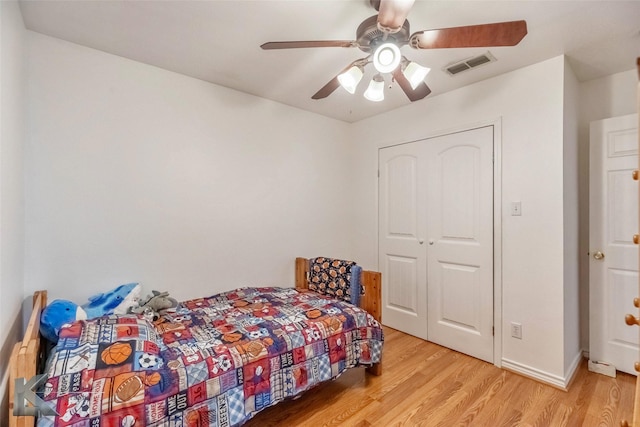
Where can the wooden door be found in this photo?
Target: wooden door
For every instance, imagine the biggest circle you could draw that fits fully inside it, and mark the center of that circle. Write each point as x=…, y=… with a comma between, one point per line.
x=613, y=265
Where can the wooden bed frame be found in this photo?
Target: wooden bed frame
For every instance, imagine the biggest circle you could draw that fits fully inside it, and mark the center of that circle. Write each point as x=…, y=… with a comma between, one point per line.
x=371, y=300
x=27, y=355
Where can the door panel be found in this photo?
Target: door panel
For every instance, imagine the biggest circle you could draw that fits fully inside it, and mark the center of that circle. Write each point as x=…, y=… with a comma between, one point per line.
x=621, y=283
x=402, y=256
x=613, y=217
x=402, y=204
x=459, y=288
x=460, y=233
x=458, y=213
x=403, y=273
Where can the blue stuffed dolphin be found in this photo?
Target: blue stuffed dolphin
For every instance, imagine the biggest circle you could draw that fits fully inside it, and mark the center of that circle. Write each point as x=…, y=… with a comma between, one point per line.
x=56, y=314
x=115, y=301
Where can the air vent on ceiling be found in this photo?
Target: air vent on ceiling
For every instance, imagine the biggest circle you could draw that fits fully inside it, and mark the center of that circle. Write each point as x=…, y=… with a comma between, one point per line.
x=469, y=63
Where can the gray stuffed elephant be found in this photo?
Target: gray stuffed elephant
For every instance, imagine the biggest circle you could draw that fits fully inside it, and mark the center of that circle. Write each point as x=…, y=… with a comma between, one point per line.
x=155, y=305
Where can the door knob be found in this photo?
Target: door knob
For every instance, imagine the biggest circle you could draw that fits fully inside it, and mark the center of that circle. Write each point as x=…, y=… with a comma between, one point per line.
x=631, y=320
x=636, y=239
x=598, y=255
x=636, y=302
x=636, y=366
x=421, y=241
x=431, y=241
x=635, y=175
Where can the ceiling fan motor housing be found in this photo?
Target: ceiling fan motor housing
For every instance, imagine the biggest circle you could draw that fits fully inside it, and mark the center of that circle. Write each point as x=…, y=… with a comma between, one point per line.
x=368, y=36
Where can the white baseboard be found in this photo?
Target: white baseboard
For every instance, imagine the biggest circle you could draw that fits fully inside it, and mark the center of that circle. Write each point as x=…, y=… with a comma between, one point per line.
x=553, y=380
x=573, y=368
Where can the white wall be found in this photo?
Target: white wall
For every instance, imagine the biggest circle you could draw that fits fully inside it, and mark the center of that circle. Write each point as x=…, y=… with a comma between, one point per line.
x=602, y=98
x=11, y=187
x=530, y=103
x=135, y=173
x=572, y=349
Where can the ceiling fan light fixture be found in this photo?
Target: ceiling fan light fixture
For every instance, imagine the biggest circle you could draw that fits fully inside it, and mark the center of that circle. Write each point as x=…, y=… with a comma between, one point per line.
x=415, y=73
x=349, y=79
x=386, y=58
x=375, y=91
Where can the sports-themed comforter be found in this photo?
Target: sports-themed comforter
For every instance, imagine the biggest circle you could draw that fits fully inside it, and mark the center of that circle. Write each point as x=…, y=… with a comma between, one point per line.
x=215, y=361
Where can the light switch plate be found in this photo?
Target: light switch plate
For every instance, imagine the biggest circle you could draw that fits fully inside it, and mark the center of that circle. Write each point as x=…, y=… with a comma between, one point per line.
x=516, y=330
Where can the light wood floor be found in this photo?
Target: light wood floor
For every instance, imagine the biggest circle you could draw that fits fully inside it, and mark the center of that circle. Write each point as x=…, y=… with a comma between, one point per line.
x=423, y=384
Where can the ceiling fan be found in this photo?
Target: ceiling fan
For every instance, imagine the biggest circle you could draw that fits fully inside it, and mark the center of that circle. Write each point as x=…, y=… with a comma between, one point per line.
x=382, y=36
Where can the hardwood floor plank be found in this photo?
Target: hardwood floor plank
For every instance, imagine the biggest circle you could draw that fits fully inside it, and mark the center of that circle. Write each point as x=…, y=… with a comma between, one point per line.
x=423, y=384
x=469, y=391
x=502, y=412
x=471, y=413
x=433, y=393
x=585, y=384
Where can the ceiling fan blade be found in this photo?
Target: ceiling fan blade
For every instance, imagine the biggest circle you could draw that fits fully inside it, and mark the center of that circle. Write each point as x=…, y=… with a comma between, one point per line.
x=485, y=35
x=392, y=14
x=413, y=94
x=310, y=43
x=327, y=89
x=333, y=84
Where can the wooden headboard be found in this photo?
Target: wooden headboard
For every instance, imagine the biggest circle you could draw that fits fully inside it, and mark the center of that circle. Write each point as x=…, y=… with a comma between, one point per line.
x=371, y=301
x=26, y=356
x=371, y=280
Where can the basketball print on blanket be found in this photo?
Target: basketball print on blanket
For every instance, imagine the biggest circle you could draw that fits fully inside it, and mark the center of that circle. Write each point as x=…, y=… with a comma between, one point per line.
x=116, y=357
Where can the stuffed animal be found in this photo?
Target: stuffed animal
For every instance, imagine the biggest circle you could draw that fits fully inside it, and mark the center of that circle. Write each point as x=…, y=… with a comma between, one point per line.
x=56, y=314
x=116, y=301
x=60, y=312
x=156, y=304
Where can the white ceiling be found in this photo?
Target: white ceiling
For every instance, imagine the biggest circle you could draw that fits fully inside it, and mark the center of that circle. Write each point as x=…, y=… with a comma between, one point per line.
x=219, y=41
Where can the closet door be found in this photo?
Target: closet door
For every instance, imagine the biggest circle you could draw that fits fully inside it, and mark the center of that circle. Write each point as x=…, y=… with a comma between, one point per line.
x=460, y=241
x=402, y=250
x=436, y=239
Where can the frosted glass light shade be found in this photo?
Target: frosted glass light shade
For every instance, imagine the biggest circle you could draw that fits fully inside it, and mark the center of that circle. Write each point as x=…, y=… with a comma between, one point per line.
x=386, y=58
x=415, y=74
x=375, y=91
x=349, y=79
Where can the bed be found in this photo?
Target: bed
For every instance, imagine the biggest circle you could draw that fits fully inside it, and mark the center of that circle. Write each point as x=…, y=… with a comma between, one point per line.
x=214, y=361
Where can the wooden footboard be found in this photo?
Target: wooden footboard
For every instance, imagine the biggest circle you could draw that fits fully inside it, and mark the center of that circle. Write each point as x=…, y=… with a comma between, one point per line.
x=25, y=357
x=371, y=300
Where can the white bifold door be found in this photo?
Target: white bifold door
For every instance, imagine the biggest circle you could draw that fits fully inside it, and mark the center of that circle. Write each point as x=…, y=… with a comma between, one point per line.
x=436, y=239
